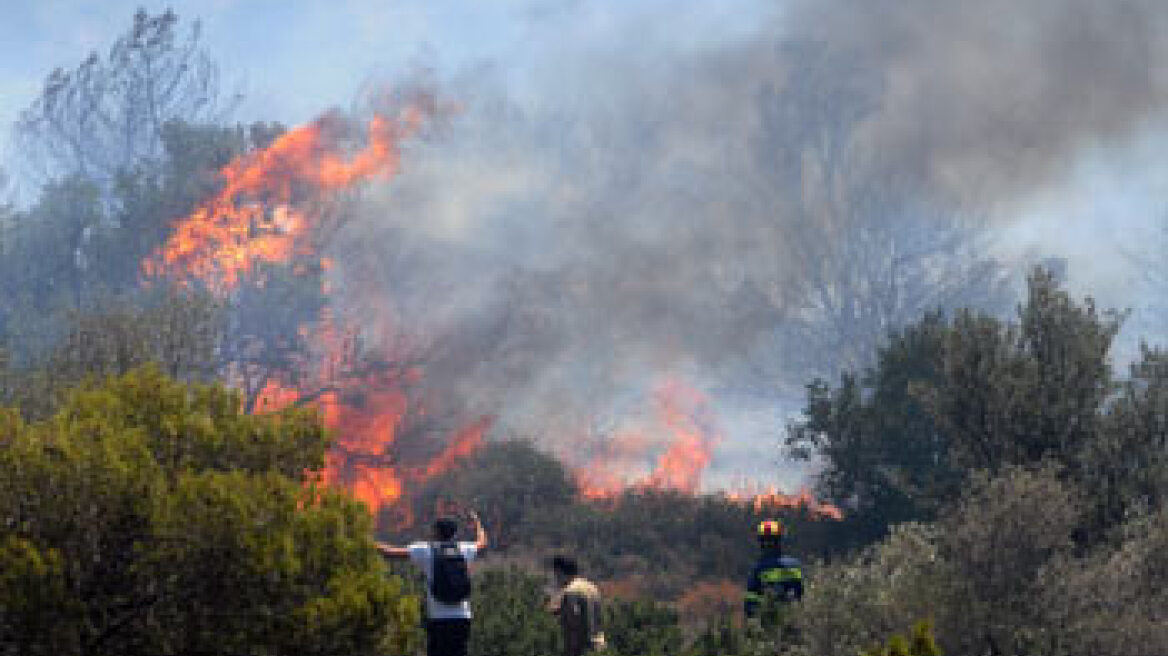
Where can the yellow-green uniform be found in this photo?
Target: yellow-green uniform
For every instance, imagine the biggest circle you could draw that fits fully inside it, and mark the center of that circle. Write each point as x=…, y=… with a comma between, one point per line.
x=775, y=578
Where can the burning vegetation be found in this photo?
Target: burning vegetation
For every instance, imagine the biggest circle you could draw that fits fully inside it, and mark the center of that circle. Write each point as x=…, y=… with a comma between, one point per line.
x=624, y=276
x=278, y=206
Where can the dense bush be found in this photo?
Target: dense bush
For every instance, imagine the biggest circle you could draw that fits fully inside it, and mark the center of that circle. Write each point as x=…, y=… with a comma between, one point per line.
x=949, y=398
x=641, y=628
x=148, y=517
x=510, y=615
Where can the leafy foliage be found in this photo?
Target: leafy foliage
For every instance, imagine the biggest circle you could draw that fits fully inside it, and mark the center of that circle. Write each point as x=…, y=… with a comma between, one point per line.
x=641, y=628
x=886, y=455
x=510, y=615
x=148, y=517
x=951, y=397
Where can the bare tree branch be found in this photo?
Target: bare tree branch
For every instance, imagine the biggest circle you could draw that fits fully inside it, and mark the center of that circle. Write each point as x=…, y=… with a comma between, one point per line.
x=106, y=116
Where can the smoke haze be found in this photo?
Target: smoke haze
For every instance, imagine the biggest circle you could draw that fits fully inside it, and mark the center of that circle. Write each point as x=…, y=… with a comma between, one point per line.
x=632, y=195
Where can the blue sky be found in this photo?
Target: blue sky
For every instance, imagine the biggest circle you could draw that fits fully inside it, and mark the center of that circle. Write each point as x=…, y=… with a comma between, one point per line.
x=296, y=58
x=291, y=57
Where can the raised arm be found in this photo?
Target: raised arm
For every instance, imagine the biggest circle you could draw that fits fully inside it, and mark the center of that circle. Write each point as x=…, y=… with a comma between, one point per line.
x=392, y=552
x=480, y=532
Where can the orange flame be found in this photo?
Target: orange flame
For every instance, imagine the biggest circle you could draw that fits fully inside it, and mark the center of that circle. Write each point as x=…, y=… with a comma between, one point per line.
x=685, y=411
x=273, y=209
x=265, y=211
x=685, y=422
x=368, y=411
x=685, y=418
x=772, y=500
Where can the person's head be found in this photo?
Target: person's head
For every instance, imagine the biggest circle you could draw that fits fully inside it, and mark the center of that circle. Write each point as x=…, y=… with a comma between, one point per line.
x=564, y=568
x=445, y=529
x=770, y=535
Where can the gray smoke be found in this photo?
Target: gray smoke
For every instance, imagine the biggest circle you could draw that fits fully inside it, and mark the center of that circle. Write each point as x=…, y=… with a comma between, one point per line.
x=659, y=202
x=993, y=99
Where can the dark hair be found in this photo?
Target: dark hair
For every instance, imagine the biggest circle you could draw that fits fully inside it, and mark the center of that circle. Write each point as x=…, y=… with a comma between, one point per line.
x=565, y=565
x=445, y=528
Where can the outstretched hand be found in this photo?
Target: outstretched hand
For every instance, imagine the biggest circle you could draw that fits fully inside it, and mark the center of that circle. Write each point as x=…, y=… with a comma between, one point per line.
x=480, y=532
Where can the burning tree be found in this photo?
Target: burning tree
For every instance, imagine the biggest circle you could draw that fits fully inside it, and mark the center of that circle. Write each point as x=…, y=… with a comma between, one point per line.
x=266, y=230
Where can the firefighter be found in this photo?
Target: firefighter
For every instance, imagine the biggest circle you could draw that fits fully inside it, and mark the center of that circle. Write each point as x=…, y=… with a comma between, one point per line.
x=776, y=579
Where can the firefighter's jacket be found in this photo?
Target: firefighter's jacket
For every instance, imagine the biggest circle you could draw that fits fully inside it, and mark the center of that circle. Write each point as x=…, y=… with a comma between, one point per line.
x=775, y=578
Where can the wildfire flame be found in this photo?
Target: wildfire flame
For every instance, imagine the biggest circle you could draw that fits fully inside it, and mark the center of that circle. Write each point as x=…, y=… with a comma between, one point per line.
x=273, y=208
x=772, y=500
x=267, y=210
x=685, y=421
x=369, y=409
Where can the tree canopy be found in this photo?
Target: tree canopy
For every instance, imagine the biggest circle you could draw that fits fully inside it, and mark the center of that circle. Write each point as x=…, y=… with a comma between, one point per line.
x=151, y=517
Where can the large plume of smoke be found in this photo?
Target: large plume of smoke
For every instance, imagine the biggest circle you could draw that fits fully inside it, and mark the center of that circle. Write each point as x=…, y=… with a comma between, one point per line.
x=995, y=99
x=626, y=211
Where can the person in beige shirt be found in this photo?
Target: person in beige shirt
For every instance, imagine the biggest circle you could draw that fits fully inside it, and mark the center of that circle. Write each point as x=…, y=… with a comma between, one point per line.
x=576, y=602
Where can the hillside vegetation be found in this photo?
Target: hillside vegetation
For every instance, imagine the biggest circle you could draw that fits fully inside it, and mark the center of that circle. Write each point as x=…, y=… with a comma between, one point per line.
x=1027, y=517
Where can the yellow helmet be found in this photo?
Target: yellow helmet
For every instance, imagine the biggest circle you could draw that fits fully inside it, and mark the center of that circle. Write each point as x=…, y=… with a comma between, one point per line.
x=771, y=528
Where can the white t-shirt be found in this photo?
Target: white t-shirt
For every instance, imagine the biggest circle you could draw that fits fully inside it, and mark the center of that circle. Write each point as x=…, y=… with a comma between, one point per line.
x=422, y=555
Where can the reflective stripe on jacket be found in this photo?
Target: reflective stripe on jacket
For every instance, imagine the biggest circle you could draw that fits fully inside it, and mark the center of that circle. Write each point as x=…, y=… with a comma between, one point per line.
x=774, y=577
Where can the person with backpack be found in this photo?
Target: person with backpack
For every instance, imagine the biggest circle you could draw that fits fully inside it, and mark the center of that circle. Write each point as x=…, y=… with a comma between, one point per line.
x=443, y=560
x=576, y=602
x=776, y=579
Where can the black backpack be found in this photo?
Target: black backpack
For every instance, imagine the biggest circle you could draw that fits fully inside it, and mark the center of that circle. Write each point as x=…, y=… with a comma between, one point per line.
x=450, y=579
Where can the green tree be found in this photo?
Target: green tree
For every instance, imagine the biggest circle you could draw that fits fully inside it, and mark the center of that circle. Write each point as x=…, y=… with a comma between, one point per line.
x=948, y=398
x=1111, y=601
x=178, y=331
x=47, y=246
x=149, y=517
x=887, y=458
x=1020, y=393
x=1126, y=469
x=857, y=601
x=996, y=546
